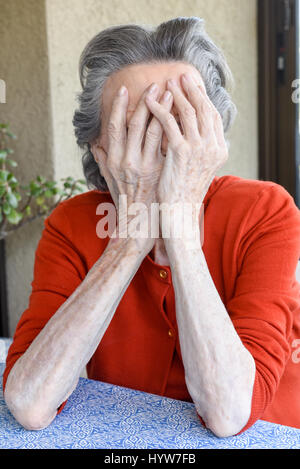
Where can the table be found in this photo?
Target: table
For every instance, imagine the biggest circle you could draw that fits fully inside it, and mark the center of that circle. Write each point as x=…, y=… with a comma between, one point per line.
x=102, y=415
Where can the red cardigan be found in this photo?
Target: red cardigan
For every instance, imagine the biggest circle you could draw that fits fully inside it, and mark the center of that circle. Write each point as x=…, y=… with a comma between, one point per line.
x=251, y=245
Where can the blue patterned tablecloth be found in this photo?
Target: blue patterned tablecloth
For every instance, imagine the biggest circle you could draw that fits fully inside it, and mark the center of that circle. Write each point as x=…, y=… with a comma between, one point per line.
x=101, y=415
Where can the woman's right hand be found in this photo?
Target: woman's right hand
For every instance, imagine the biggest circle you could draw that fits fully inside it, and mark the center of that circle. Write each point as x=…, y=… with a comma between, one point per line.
x=133, y=162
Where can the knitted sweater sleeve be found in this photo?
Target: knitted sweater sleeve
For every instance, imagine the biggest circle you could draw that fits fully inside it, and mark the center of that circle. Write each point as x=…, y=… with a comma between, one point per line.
x=266, y=300
x=58, y=271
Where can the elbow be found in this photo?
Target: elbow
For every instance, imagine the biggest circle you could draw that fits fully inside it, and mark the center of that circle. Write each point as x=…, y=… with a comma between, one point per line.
x=226, y=420
x=30, y=418
x=36, y=421
x=225, y=429
x=223, y=425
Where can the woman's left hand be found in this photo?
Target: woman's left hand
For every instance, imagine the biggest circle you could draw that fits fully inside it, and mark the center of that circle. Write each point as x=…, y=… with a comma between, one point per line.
x=193, y=157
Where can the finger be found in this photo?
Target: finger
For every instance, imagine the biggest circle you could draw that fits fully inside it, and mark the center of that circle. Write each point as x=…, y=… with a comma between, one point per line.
x=116, y=128
x=154, y=133
x=138, y=123
x=101, y=159
x=99, y=154
x=219, y=130
x=167, y=120
x=186, y=112
x=200, y=101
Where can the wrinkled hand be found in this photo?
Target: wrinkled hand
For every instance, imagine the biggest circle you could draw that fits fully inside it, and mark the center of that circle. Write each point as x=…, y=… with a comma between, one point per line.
x=194, y=157
x=131, y=167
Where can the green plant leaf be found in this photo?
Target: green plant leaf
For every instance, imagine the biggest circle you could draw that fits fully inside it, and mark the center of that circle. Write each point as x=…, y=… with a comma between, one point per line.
x=33, y=185
x=13, y=185
x=3, y=174
x=11, y=177
x=12, y=200
x=50, y=184
x=28, y=210
x=48, y=193
x=40, y=200
x=59, y=191
x=6, y=208
x=14, y=217
x=12, y=163
x=41, y=179
x=2, y=191
x=35, y=189
x=3, y=154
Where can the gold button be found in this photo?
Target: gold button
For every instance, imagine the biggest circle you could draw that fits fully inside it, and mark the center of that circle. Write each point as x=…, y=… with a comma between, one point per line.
x=163, y=274
x=170, y=333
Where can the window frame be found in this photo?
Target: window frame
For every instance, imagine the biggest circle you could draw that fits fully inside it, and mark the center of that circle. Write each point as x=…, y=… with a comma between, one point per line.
x=278, y=119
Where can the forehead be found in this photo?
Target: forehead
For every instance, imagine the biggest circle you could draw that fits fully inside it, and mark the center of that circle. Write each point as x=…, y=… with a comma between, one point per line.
x=138, y=77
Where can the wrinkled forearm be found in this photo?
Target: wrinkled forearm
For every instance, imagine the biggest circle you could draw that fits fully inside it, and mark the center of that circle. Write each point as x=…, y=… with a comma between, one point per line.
x=48, y=372
x=219, y=370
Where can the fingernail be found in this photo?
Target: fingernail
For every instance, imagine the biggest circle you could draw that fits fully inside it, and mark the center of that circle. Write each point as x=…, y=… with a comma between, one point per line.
x=184, y=79
x=172, y=82
x=153, y=88
x=187, y=77
x=167, y=96
x=122, y=91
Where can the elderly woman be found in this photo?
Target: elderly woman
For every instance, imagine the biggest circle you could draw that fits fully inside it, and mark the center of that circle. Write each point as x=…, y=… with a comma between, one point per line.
x=214, y=322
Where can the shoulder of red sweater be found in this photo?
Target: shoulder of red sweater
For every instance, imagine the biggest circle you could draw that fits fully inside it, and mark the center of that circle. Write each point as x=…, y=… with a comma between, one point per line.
x=234, y=196
x=80, y=210
x=76, y=217
x=249, y=189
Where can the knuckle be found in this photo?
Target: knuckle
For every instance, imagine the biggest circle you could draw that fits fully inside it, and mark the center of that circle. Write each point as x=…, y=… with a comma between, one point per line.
x=181, y=149
x=128, y=170
x=134, y=125
x=127, y=164
x=188, y=111
x=126, y=161
x=113, y=129
x=153, y=135
x=169, y=120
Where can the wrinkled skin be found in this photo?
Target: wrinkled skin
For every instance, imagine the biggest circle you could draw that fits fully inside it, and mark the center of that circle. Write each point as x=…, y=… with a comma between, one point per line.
x=133, y=162
x=219, y=370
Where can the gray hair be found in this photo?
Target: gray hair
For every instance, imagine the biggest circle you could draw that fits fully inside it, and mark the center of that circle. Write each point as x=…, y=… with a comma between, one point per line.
x=180, y=39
